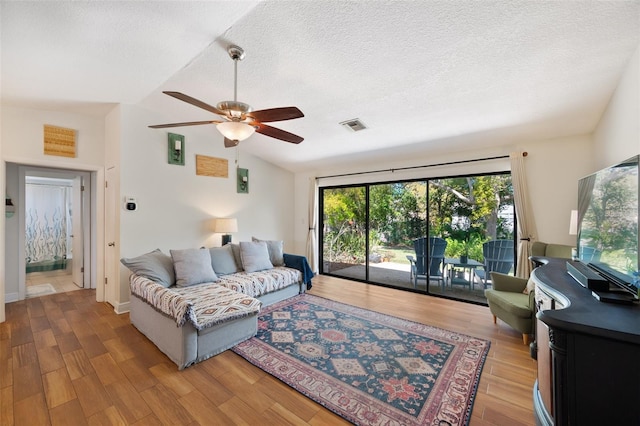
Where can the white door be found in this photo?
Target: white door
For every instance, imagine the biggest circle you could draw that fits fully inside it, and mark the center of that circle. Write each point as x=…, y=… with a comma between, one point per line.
x=77, y=235
x=111, y=252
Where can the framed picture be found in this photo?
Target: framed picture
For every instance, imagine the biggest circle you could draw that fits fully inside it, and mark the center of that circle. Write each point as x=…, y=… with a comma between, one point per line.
x=176, y=149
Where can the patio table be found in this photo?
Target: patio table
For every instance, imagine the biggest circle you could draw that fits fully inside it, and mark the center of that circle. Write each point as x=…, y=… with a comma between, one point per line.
x=452, y=263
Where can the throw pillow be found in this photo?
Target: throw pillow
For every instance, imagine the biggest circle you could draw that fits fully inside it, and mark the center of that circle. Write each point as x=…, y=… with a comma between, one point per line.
x=236, y=255
x=276, y=251
x=222, y=260
x=155, y=265
x=193, y=266
x=255, y=256
x=531, y=285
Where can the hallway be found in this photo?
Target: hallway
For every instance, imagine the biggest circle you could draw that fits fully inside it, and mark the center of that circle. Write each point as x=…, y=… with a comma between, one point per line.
x=50, y=282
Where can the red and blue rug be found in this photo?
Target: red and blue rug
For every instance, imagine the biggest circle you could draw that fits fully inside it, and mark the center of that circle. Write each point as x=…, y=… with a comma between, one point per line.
x=367, y=367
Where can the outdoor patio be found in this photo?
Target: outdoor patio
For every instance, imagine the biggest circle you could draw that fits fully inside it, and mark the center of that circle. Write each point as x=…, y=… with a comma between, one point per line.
x=399, y=275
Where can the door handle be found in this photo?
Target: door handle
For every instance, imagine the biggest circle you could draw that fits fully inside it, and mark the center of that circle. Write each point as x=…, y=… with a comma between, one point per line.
x=111, y=244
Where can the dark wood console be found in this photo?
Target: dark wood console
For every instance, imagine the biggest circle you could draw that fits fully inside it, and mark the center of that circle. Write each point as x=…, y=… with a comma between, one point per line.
x=588, y=354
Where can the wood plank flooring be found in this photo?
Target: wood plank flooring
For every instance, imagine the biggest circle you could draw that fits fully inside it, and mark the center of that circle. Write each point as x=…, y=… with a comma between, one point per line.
x=67, y=360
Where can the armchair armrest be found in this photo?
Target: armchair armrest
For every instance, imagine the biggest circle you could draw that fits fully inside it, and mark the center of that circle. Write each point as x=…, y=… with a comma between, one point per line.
x=503, y=282
x=532, y=301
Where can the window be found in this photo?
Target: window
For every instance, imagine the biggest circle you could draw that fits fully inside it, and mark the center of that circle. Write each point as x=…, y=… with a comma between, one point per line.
x=409, y=234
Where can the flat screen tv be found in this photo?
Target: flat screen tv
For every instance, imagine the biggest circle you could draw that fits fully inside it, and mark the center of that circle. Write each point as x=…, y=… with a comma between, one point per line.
x=608, y=222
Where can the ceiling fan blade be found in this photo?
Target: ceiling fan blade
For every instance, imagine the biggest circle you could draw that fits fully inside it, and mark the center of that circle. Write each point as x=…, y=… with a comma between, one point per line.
x=188, y=123
x=228, y=143
x=276, y=133
x=276, y=114
x=195, y=102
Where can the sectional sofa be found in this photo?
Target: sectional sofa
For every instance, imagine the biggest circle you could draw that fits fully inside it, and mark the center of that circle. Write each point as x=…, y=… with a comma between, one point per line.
x=197, y=303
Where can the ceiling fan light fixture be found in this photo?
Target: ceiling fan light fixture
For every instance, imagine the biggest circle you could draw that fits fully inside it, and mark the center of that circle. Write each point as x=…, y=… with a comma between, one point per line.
x=235, y=130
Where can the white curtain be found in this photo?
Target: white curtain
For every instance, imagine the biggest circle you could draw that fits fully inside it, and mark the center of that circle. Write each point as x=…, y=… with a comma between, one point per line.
x=47, y=222
x=526, y=223
x=312, y=245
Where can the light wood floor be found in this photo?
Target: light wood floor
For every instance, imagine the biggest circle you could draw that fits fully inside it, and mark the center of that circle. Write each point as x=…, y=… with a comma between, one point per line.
x=61, y=280
x=67, y=360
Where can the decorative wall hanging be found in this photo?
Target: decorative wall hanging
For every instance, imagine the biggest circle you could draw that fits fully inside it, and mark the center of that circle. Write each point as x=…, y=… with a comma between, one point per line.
x=176, y=149
x=212, y=166
x=59, y=141
x=243, y=180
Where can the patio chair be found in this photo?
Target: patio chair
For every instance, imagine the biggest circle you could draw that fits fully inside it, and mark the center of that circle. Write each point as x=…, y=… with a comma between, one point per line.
x=590, y=254
x=498, y=257
x=434, y=263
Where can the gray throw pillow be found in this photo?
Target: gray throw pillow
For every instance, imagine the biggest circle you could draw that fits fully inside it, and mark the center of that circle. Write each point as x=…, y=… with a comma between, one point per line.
x=276, y=251
x=236, y=255
x=155, y=265
x=222, y=260
x=255, y=256
x=193, y=266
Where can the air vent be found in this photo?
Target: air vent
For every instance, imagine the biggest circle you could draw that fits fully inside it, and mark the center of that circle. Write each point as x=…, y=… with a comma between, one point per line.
x=355, y=125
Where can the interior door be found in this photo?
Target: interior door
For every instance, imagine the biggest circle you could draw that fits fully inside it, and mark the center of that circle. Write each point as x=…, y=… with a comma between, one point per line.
x=111, y=253
x=77, y=234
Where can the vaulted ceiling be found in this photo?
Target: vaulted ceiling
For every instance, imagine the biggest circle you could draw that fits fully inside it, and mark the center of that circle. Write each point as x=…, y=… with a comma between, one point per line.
x=422, y=76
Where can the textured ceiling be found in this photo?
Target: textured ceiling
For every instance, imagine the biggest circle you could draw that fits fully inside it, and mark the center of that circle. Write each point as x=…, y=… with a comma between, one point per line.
x=423, y=76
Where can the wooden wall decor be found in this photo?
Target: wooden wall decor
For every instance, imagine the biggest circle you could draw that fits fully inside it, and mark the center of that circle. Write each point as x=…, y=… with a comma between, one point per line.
x=59, y=141
x=212, y=166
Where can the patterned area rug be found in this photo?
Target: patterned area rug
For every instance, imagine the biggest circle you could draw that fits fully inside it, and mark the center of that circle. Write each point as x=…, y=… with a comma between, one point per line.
x=39, y=290
x=369, y=368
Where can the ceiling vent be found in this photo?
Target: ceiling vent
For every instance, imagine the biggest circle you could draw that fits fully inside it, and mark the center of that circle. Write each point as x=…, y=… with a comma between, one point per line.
x=355, y=125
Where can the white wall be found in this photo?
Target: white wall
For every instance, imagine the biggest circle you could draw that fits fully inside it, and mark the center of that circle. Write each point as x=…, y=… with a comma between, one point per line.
x=553, y=168
x=22, y=140
x=176, y=207
x=617, y=136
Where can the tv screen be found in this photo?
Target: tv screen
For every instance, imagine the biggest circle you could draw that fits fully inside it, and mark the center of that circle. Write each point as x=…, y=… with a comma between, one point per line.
x=608, y=218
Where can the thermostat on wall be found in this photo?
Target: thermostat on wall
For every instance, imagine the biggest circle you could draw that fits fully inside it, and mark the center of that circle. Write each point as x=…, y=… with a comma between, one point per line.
x=130, y=204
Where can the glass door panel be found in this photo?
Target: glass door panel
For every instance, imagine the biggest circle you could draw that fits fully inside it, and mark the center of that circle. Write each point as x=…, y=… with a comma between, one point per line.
x=344, y=232
x=468, y=212
x=397, y=217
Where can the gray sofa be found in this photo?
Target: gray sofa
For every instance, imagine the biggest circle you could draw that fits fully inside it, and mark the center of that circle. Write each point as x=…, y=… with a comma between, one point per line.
x=192, y=313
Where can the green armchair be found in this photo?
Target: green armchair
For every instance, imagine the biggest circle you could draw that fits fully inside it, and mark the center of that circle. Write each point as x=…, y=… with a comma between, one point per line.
x=508, y=302
x=538, y=248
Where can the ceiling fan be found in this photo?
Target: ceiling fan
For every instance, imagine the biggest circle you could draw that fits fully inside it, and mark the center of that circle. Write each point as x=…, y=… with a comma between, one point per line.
x=239, y=121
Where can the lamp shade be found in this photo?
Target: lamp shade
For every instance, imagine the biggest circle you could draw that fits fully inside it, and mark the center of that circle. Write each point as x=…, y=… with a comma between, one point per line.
x=573, y=223
x=226, y=225
x=235, y=130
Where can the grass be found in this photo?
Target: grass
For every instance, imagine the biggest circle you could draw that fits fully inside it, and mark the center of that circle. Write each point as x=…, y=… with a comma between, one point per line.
x=396, y=254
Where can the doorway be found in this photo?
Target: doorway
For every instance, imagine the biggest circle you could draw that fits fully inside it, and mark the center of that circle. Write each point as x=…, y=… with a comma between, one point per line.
x=55, y=231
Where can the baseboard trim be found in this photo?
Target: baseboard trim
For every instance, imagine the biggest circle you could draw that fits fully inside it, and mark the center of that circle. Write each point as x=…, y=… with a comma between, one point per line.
x=122, y=308
x=11, y=297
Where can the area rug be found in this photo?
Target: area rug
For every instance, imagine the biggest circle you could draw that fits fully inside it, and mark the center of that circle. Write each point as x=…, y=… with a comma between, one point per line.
x=367, y=367
x=39, y=290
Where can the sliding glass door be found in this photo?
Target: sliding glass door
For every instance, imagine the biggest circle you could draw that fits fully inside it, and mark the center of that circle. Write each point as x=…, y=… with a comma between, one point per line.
x=421, y=235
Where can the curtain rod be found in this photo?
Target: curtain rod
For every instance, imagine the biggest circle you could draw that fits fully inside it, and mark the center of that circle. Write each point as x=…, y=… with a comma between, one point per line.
x=449, y=163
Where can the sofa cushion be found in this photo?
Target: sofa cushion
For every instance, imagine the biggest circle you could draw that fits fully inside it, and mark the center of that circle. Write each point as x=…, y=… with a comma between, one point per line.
x=276, y=251
x=193, y=266
x=222, y=260
x=514, y=303
x=154, y=265
x=255, y=256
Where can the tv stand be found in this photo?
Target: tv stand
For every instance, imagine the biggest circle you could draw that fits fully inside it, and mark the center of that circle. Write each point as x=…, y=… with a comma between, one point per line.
x=587, y=352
